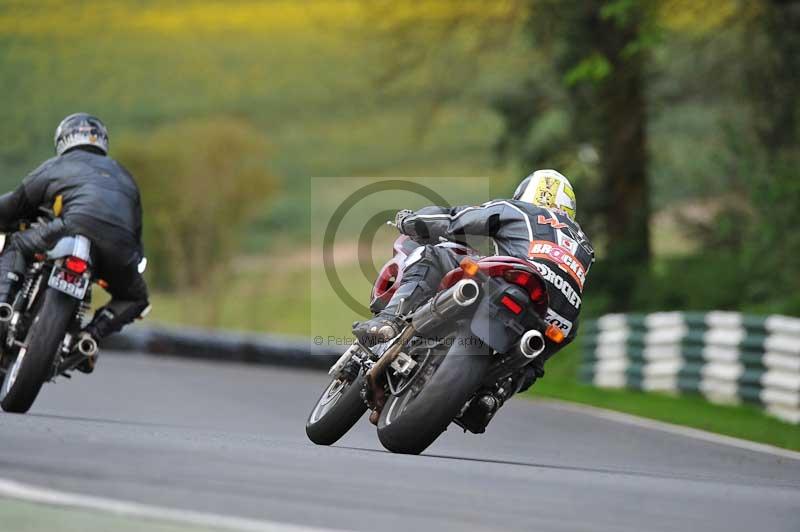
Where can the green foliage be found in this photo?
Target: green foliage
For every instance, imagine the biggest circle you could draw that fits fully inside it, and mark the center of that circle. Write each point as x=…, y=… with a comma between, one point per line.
x=620, y=11
x=706, y=281
x=593, y=69
x=200, y=181
x=456, y=79
x=772, y=247
x=300, y=72
x=692, y=410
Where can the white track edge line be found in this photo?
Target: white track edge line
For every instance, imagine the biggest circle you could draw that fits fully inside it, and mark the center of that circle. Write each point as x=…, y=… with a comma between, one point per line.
x=698, y=434
x=11, y=489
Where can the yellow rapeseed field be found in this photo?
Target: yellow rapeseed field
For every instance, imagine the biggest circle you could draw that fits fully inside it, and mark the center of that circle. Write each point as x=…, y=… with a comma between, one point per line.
x=57, y=18
x=51, y=17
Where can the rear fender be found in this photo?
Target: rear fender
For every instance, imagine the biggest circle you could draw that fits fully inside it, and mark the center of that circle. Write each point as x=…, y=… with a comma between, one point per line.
x=496, y=325
x=72, y=246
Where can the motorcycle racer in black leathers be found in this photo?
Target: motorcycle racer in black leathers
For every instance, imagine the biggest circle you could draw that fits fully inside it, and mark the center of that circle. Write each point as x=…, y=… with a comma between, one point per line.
x=88, y=193
x=537, y=224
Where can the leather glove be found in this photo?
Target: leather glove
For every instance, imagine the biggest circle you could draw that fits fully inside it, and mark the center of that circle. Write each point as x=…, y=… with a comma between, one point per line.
x=400, y=217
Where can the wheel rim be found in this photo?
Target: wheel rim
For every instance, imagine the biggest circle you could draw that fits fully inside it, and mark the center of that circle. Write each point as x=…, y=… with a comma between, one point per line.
x=403, y=401
x=329, y=398
x=11, y=374
x=398, y=404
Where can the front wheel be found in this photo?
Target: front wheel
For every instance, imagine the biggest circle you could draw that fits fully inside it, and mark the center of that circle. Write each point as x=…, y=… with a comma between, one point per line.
x=412, y=420
x=339, y=408
x=33, y=363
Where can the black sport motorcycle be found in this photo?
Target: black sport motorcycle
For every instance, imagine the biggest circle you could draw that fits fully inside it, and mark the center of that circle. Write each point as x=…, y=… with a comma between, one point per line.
x=458, y=358
x=42, y=326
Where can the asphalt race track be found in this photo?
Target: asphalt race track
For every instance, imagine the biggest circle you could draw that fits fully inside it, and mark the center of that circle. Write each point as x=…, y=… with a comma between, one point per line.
x=229, y=439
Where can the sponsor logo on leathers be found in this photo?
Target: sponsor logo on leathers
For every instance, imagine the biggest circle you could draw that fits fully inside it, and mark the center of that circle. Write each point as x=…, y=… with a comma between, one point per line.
x=559, y=283
x=552, y=222
x=566, y=242
x=542, y=249
x=554, y=318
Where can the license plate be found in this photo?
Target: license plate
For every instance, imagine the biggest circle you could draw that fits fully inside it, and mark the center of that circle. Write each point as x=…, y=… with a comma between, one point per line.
x=68, y=282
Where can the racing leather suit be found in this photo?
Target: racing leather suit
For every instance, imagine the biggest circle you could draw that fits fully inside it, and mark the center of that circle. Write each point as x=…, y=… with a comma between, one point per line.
x=547, y=238
x=99, y=200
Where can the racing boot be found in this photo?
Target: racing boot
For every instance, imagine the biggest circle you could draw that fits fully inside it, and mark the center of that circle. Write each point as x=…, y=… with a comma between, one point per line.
x=486, y=404
x=100, y=327
x=483, y=408
x=377, y=330
x=390, y=321
x=530, y=374
x=480, y=412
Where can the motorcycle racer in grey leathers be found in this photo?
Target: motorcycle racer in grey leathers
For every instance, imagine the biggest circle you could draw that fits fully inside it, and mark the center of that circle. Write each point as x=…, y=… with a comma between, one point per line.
x=537, y=224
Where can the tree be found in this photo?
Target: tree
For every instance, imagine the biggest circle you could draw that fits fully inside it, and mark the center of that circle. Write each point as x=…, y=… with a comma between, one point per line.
x=581, y=105
x=599, y=48
x=774, y=76
x=201, y=181
x=772, y=250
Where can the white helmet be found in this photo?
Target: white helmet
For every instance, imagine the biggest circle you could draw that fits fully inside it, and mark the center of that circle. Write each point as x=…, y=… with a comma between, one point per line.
x=81, y=129
x=548, y=189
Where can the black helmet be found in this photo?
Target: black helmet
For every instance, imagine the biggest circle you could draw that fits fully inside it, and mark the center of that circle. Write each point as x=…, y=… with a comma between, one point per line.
x=81, y=129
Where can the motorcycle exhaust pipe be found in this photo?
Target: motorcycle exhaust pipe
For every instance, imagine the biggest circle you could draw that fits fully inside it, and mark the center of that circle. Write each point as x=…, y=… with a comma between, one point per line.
x=446, y=305
x=87, y=346
x=532, y=344
x=466, y=292
x=6, y=312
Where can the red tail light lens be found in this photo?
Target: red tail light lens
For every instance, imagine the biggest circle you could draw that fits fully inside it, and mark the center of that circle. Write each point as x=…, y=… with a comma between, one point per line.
x=518, y=277
x=76, y=265
x=511, y=305
x=386, y=279
x=528, y=281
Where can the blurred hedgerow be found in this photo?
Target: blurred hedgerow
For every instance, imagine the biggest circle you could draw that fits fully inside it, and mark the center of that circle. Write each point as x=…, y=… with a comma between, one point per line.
x=201, y=181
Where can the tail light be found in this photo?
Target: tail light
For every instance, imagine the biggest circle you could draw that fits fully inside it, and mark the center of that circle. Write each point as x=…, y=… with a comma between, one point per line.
x=511, y=305
x=76, y=265
x=528, y=281
x=386, y=279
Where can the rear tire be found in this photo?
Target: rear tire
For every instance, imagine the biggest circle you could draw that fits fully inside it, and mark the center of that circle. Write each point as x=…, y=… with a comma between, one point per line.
x=409, y=424
x=336, y=412
x=33, y=366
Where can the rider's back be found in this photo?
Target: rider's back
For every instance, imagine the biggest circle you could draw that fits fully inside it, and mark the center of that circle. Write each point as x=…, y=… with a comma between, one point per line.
x=98, y=194
x=561, y=252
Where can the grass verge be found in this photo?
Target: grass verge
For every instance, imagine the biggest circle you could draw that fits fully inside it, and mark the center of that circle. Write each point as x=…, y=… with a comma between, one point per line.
x=23, y=516
x=746, y=421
